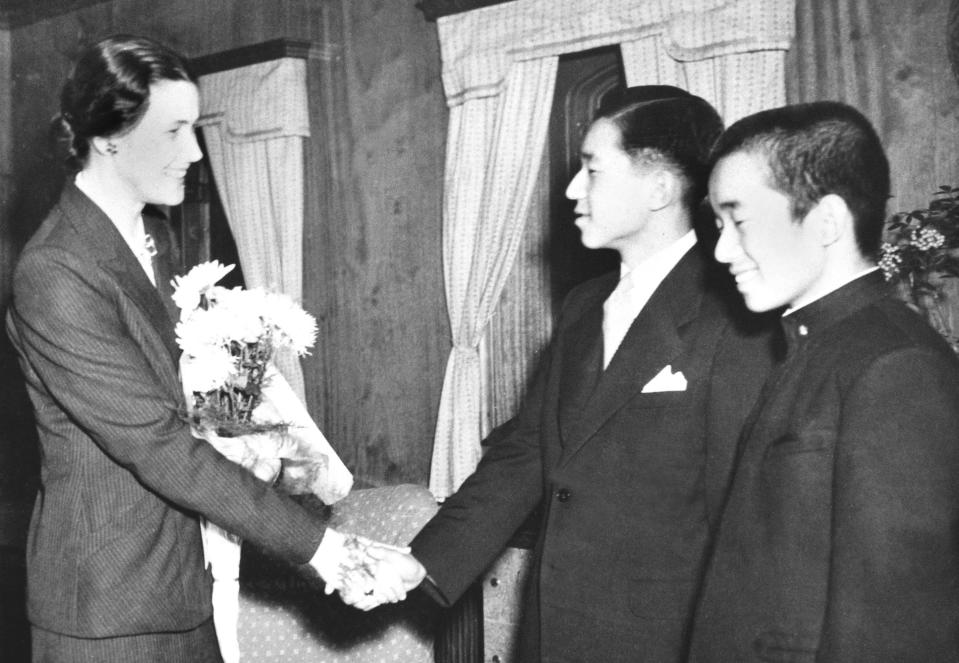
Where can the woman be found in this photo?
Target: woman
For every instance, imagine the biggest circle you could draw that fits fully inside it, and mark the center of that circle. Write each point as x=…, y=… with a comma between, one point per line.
x=114, y=559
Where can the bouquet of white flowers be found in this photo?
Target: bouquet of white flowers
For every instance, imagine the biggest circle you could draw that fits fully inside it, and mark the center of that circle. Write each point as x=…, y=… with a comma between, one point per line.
x=229, y=337
x=236, y=399
x=243, y=406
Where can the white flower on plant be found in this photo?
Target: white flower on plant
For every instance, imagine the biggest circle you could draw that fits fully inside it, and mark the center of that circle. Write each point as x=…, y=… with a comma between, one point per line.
x=889, y=261
x=927, y=238
x=200, y=280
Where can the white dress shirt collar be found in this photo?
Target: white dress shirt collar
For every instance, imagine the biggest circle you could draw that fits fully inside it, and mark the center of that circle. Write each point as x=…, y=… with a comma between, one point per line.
x=635, y=288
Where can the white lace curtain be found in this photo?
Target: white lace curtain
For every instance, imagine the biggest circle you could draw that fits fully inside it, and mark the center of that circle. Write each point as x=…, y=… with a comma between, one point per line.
x=254, y=121
x=499, y=68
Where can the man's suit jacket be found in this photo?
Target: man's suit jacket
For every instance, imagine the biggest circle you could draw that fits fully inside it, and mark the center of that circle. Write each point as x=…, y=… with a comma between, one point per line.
x=631, y=482
x=114, y=542
x=840, y=539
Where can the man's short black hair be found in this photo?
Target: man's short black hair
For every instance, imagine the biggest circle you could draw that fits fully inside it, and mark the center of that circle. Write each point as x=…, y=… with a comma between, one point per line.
x=666, y=124
x=815, y=149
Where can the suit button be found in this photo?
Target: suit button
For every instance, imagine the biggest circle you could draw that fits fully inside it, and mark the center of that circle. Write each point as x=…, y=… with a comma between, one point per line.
x=563, y=495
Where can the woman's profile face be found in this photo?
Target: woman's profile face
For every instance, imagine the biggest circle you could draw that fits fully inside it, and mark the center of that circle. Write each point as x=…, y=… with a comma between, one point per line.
x=610, y=191
x=153, y=157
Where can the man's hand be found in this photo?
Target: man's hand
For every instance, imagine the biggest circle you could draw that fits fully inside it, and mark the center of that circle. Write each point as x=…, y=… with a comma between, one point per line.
x=395, y=572
x=353, y=566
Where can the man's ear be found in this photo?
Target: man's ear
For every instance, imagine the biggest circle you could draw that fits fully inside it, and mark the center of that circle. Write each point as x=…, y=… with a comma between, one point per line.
x=665, y=188
x=832, y=218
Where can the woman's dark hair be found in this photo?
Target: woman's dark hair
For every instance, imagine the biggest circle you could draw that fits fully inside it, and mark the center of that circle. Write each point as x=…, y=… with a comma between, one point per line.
x=670, y=126
x=108, y=90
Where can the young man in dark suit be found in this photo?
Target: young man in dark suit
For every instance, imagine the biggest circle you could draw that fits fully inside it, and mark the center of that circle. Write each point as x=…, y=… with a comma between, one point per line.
x=839, y=538
x=628, y=436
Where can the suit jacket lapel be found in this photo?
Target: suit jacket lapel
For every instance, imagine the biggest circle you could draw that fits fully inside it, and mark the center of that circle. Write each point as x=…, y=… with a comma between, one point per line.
x=107, y=246
x=583, y=364
x=652, y=342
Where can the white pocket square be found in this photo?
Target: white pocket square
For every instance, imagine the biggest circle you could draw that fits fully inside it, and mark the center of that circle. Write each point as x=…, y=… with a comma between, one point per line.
x=666, y=380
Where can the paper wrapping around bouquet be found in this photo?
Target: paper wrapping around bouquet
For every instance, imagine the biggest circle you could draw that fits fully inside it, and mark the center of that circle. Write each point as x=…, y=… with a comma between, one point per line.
x=309, y=465
x=281, y=404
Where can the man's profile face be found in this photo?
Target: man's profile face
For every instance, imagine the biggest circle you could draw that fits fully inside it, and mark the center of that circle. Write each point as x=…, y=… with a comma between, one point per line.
x=776, y=260
x=611, y=192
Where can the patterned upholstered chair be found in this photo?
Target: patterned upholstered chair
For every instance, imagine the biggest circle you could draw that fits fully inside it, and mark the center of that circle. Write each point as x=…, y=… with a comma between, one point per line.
x=285, y=616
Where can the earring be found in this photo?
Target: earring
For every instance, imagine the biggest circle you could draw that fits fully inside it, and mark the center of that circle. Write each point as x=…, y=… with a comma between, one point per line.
x=111, y=149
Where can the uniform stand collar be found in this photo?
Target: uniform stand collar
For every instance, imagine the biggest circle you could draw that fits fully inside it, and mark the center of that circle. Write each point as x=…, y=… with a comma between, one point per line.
x=802, y=324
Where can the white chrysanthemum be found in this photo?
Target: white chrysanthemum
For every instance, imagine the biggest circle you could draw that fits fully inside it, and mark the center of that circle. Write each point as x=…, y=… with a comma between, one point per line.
x=209, y=371
x=295, y=327
x=203, y=330
x=188, y=288
x=243, y=312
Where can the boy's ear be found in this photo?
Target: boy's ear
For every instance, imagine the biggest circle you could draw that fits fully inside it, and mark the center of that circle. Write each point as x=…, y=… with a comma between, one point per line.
x=832, y=218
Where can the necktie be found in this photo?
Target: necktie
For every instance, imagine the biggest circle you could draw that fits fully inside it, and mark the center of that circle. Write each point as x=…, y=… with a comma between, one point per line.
x=618, y=316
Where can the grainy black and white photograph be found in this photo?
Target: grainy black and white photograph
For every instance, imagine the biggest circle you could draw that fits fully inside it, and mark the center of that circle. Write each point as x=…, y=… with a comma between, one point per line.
x=479, y=331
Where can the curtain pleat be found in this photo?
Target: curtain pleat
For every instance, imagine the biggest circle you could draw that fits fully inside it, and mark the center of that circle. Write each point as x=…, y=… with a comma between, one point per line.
x=493, y=166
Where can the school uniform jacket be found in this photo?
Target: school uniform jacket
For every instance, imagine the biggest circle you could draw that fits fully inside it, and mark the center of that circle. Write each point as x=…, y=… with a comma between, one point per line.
x=631, y=483
x=840, y=540
x=114, y=541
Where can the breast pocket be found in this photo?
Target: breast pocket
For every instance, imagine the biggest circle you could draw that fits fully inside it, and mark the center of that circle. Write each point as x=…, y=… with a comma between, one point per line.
x=664, y=399
x=781, y=647
x=810, y=441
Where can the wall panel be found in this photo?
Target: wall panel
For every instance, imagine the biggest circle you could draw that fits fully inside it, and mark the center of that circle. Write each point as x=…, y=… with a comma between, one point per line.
x=391, y=336
x=890, y=60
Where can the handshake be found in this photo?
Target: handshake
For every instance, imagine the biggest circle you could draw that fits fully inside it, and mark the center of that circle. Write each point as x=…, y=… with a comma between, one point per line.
x=366, y=573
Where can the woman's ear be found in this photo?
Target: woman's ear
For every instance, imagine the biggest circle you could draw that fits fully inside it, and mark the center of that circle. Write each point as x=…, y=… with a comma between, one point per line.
x=103, y=146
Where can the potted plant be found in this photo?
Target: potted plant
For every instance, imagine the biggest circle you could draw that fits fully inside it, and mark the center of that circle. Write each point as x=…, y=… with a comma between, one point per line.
x=920, y=254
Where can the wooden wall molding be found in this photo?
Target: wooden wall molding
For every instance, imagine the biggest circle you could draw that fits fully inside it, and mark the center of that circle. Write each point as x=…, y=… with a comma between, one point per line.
x=17, y=13
x=434, y=9
x=245, y=56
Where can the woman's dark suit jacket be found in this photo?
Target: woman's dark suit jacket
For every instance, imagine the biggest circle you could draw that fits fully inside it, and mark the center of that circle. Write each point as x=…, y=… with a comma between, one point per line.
x=840, y=540
x=631, y=482
x=114, y=542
